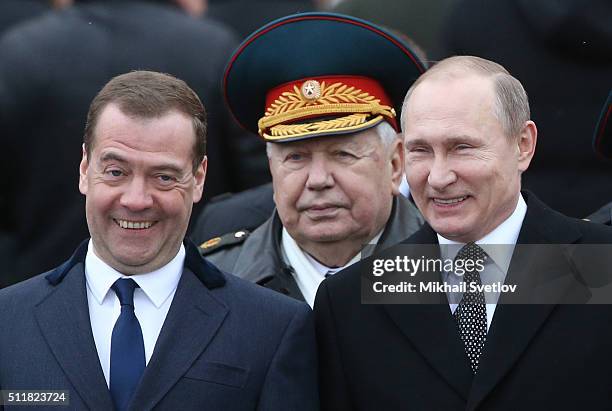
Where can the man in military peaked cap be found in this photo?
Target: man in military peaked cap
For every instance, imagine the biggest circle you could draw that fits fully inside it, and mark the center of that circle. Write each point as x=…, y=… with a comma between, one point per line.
x=323, y=91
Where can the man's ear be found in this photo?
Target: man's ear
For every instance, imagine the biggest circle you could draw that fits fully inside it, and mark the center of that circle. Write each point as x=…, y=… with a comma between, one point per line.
x=83, y=167
x=396, y=157
x=526, y=143
x=200, y=177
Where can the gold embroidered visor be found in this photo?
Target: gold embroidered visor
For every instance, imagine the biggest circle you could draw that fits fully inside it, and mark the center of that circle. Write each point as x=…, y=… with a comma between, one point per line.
x=324, y=105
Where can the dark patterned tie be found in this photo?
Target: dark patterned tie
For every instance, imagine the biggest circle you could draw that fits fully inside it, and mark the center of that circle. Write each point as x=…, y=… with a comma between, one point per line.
x=127, y=347
x=471, y=313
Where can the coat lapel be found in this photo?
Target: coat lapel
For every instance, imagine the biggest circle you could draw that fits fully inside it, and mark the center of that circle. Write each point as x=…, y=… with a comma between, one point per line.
x=431, y=329
x=191, y=324
x=514, y=325
x=63, y=318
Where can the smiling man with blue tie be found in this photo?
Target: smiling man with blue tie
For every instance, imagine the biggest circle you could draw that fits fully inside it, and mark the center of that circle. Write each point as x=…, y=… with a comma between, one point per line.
x=136, y=319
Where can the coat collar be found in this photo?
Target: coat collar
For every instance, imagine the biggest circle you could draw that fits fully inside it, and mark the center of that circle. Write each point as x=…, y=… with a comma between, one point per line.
x=207, y=273
x=260, y=260
x=405, y=220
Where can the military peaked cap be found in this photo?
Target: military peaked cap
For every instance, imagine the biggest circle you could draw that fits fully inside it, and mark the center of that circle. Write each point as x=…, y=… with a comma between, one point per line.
x=315, y=74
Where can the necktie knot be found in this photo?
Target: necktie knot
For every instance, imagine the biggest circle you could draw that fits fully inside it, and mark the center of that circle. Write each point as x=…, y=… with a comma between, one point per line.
x=471, y=251
x=124, y=289
x=471, y=255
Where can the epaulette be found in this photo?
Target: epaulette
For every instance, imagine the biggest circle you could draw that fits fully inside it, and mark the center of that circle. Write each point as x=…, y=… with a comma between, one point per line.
x=226, y=240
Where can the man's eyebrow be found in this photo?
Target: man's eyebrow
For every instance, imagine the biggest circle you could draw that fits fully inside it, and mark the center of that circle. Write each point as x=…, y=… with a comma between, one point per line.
x=111, y=156
x=173, y=168
x=416, y=142
x=464, y=138
x=168, y=167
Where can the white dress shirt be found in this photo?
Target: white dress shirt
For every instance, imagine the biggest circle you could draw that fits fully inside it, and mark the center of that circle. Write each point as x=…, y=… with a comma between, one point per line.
x=151, y=301
x=499, y=246
x=307, y=271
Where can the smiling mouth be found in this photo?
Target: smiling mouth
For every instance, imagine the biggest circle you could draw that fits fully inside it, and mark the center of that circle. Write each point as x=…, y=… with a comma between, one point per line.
x=449, y=201
x=134, y=225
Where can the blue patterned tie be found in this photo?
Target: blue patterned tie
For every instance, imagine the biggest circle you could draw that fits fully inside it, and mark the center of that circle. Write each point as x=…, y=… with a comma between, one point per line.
x=127, y=347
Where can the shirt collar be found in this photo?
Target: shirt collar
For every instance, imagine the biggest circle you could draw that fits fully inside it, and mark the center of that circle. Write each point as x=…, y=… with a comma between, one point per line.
x=157, y=285
x=504, y=234
x=322, y=269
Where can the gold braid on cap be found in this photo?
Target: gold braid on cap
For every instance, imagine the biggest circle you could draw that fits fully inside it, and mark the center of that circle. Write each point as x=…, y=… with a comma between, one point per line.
x=337, y=98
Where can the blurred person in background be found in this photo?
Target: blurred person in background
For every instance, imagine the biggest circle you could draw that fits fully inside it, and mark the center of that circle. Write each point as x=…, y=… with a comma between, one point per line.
x=421, y=20
x=16, y=11
x=246, y=16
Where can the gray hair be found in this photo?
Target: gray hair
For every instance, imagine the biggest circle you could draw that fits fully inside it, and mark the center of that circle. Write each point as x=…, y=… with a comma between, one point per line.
x=511, y=106
x=385, y=131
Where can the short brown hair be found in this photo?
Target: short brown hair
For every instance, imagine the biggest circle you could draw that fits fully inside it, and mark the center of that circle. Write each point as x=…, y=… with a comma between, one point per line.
x=148, y=94
x=511, y=103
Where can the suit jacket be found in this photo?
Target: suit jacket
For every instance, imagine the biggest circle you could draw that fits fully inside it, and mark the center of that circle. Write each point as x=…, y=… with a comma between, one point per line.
x=226, y=344
x=259, y=258
x=543, y=356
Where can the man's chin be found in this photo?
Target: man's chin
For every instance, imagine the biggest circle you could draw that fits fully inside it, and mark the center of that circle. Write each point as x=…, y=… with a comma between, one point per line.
x=455, y=232
x=327, y=236
x=134, y=264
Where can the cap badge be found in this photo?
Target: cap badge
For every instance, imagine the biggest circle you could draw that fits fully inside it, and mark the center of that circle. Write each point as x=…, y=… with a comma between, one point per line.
x=311, y=90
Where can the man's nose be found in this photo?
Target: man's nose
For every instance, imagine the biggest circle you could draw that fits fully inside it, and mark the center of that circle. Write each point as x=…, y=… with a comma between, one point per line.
x=320, y=175
x=441, y=174
x=136, y=195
